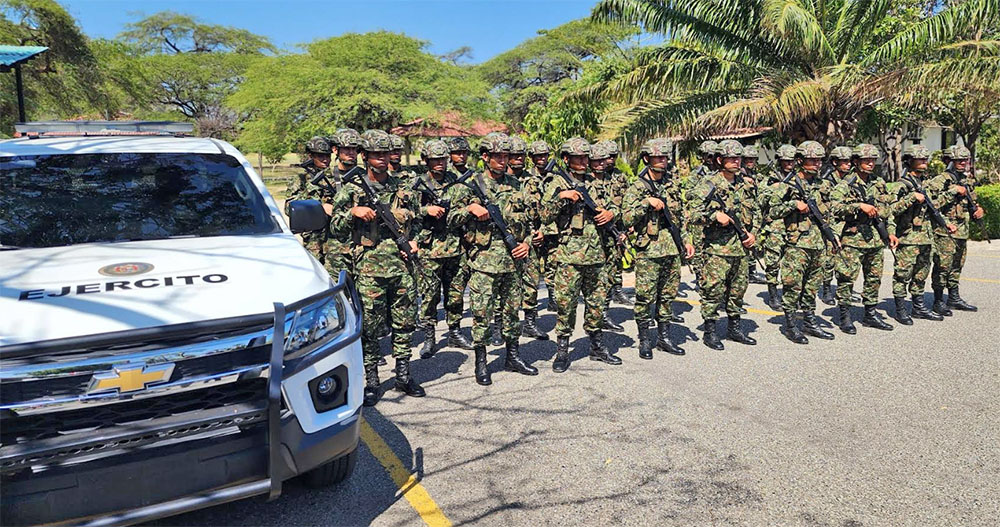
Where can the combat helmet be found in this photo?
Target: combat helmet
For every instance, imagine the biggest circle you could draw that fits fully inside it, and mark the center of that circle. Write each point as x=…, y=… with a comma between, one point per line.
x=318, y=145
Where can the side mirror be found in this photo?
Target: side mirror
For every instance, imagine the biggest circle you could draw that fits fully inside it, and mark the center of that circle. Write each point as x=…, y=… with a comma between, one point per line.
x=306, y=215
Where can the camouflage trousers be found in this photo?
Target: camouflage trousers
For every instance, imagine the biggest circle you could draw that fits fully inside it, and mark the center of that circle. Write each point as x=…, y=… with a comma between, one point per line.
x=570, y=281
x=801, y=272
x=949, y=259
x=390, y=299
x=548, y=263
x=436, y=282
x=723, y=283
x=612, y=273
x=698, y=240
x=829, y=266
x=774, y=248
x=909, y=275
x=334, y=262
x=461, y=279
x=656, y=283
x=851, y=261
x=489, y=292
x=531, y=273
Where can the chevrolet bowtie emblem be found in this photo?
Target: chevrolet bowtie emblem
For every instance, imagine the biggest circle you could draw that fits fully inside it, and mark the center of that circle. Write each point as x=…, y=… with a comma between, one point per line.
x=130, y=377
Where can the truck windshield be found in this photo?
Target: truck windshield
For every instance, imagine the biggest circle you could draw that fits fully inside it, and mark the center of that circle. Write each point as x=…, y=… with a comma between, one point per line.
x=56, y=200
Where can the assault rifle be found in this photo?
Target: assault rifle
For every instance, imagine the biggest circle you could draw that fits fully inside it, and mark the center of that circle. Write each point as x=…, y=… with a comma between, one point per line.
x=590, y=204
x=936, y=215
x=478, y=188
x=814, y=212
x=673, y=228
x=359, y=177
x=878, y=222
x=734, y=222
x=970, y=204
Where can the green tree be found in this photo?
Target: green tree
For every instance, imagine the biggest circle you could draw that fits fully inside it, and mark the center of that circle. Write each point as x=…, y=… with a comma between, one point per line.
x=527, y=75
x=371, y=80
x=807, y=68
x=61, y=81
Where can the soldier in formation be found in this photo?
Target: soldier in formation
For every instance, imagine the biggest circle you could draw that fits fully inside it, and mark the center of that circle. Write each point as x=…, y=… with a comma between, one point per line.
x=566, y=224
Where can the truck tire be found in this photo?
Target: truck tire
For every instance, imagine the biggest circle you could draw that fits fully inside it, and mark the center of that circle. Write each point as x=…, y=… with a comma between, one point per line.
x=332, y=472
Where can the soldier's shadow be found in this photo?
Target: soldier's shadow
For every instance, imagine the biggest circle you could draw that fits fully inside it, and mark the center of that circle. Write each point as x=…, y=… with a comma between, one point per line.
x=442, y=363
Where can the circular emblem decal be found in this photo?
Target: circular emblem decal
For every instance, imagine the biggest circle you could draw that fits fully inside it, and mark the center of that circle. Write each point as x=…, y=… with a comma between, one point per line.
x=125, y=269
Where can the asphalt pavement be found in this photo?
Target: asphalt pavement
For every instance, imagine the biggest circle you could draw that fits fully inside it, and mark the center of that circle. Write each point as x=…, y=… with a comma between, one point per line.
x=880, y=428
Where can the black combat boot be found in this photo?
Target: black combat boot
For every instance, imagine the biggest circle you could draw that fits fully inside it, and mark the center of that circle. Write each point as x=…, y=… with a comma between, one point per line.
x=846, y=324
x=735, y=333
x=752, y=275
x=955, y=301
x=791, y=331
x=646, y=338
x=611, y=325
x=382, y=361
x=675, y=318
x=482, y=372
x=598, y=351
x=743, y=308
x=710, y=338
x=773, y=297
x=457, y=340
x=810, y=326
x=829, y=294
x=373, y=389
x=427, y=349
x=561, y=361
x=496, y=330
x=939, y=306
x=873, y=320
x=530, y=326
x=902, y=315
x=513, y=361
x=920, y=309
x=404, y=382
x=663, y=343
x=618, y=295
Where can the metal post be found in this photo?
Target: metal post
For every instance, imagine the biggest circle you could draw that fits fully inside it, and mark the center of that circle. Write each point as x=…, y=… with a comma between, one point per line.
x=20, y=93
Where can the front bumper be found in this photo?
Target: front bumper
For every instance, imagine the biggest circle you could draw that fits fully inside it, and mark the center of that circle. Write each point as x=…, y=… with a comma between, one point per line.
x=148, y=469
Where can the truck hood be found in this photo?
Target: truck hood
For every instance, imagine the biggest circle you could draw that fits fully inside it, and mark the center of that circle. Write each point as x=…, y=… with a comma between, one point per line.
x=89, y=289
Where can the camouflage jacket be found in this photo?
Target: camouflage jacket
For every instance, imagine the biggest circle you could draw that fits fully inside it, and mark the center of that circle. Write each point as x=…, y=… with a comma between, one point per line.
x=750, y=210
x=692, y=181
x=486, y=251
x=653, y=238
x=580, y=240
x=855, y=227
x=912, y=218
x=300, y=187
x=722, y=240
x=333, y=242
x=438, y=239
x=533, y=185
x=373, y=247
x=799, y=227
x=768, y=183
x=951, y=204
x=530, y=187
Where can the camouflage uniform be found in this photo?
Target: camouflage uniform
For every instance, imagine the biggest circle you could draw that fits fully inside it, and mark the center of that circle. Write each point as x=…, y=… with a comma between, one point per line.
x=658, y=259
x=461, y=280
x=384, y=278
x=705, y=149
x=301, y=187
x=440, y=251
x=549, y=231
x=404, y=175
x=495, y=283
x=914, y=228
x=950, y=250
x=773, y=231
x=801, y=265
x=827, y=290
x=862, y=246
x=530, y=267
x=611, y=192
x=338, y=245
x=724, y=272
x=581, y=254
x=618, y=186
x=753, y=190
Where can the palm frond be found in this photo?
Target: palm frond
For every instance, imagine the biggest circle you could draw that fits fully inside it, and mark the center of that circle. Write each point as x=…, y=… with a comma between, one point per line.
x=798, y=26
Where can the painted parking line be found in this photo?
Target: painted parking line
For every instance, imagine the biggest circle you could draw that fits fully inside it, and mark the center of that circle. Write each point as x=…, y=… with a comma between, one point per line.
x=408, y=485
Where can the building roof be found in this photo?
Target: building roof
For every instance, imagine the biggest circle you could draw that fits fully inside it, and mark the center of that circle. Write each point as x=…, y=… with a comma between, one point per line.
x=11, y=56
x=449, y=125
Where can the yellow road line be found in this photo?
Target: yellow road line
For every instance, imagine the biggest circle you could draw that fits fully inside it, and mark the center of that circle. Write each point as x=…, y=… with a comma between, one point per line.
x=750, y=309
x=984, y=280
x=412, y=490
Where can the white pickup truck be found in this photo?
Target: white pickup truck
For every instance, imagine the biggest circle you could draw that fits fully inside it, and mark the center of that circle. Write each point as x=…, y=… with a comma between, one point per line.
x=166, y=343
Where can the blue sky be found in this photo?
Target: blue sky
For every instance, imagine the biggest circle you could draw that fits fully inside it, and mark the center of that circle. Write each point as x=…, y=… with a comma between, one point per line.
x=489, y=27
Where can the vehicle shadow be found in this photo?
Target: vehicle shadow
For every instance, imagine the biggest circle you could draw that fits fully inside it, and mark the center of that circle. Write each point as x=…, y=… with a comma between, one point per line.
x=366, y=495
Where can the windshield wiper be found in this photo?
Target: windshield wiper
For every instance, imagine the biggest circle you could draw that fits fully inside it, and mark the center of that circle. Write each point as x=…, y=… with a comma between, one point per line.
x=9, y=247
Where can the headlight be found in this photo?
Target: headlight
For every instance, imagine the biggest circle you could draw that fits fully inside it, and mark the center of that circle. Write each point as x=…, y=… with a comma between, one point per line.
x=314, y=325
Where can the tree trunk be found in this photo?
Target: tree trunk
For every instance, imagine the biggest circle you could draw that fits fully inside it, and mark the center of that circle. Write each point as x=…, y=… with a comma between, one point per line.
x=260, y=164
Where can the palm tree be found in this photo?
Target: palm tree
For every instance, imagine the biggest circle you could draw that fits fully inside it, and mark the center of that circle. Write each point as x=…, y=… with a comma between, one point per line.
x=807, y=68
